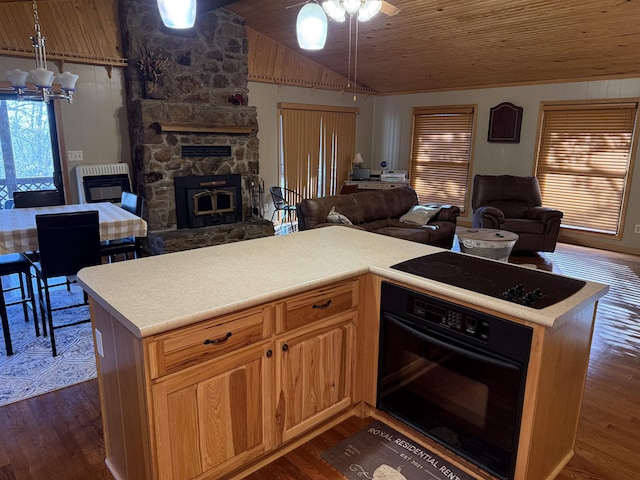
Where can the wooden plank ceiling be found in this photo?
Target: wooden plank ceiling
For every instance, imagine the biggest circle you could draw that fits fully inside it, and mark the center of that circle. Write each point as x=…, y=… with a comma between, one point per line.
x=430, y=45
x=454, y=44
x=80, y=31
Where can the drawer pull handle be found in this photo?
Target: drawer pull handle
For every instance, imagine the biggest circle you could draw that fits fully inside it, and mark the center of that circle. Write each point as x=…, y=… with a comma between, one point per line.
x=285, y=347
x=322, y=305
x=218, y=341
x=269, y=353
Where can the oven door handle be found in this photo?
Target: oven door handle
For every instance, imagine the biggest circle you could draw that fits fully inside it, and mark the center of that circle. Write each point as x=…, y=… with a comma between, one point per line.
x=450, y=343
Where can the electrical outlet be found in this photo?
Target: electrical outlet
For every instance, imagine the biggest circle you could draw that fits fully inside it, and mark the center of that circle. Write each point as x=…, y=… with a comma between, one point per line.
x=637, y=228
x=74, y=155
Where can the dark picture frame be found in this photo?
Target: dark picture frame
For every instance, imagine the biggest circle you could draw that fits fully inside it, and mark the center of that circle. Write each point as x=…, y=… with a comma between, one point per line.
x=505, y=121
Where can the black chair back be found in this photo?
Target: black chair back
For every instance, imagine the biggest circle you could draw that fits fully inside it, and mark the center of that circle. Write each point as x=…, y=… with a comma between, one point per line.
x=68, y=242
x=131, y=203
x=278, y=197
x=37, y=198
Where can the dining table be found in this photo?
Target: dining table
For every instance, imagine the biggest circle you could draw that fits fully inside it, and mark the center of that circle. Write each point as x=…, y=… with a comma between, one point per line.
x=18, y=231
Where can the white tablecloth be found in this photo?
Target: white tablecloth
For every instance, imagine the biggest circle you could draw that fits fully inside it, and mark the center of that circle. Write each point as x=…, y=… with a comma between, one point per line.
x=18, y=226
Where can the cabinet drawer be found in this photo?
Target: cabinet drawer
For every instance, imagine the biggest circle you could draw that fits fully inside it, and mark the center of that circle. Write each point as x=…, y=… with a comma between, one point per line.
x=306, y=308
x=188, y=346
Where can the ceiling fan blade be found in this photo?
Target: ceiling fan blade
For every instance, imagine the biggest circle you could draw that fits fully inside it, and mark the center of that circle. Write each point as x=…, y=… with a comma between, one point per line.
x=389, y=9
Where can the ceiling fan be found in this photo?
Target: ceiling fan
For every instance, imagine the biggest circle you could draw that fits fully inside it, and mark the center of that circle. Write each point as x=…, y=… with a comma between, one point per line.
x=386, y=8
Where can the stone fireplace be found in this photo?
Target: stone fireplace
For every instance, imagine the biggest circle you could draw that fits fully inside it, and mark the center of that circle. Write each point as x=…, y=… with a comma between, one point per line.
x=193, y=122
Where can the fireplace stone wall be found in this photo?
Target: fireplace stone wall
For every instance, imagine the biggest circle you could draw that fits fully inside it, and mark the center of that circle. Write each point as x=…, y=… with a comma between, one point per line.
x=200, y=100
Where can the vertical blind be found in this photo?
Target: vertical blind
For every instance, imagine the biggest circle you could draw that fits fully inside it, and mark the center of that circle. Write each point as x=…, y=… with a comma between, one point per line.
x=441, y=154
x=317, y=148
x=583, y=163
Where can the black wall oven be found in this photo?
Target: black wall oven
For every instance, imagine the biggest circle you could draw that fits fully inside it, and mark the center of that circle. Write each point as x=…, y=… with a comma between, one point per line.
x=454, y=374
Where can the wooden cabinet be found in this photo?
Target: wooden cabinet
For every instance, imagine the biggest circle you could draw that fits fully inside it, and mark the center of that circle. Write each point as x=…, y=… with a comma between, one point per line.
x=215, y=417
x=314, y=376
x=205, y=400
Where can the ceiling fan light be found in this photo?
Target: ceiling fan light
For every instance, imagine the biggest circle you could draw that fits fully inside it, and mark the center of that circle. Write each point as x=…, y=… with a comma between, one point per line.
x=334, y=10
x=369, y=9
x=177, y=13
x=351, y=6
x=311, y=27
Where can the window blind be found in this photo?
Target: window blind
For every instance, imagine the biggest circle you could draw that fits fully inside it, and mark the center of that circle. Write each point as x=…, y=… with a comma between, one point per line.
x=317, y=147
x=441, y=154
x=583, y=163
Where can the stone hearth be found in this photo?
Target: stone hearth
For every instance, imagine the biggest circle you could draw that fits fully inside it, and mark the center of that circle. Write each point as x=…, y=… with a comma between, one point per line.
x=197, y=122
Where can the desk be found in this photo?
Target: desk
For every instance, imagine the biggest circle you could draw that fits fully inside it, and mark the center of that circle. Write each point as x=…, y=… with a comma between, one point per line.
x=376, y=184
x=18, y=231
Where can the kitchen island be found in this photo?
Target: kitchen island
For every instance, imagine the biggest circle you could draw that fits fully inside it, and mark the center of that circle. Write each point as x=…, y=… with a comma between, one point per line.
x=213, y=361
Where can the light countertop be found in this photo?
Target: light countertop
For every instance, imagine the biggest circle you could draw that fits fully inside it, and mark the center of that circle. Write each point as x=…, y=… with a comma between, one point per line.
x=155, y=294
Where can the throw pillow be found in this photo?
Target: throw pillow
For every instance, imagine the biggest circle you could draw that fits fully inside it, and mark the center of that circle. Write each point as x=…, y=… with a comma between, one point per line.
x=337, y=218
x=419, y=214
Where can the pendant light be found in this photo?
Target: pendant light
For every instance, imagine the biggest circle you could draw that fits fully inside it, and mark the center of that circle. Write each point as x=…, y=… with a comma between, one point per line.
x=311, y=27
x=179, y=14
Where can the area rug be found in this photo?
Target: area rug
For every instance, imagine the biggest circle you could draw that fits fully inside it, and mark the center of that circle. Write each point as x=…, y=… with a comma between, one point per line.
x=32, y=369
x=378, y=452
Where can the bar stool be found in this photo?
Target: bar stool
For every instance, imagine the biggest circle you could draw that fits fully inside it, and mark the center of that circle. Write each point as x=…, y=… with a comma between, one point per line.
x=10, y=264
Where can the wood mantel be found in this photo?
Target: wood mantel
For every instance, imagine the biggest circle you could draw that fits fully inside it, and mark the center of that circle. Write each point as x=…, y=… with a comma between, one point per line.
x=200, y=128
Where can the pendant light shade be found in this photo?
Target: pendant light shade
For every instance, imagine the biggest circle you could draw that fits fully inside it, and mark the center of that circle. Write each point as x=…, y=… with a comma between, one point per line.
x=177, y=13
x=311, y=27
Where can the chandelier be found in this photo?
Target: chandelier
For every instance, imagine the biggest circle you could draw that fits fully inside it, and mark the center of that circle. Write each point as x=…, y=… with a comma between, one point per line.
x=43, y=78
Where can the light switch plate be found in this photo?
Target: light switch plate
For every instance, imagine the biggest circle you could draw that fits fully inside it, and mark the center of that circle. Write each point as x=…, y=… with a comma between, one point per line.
x=75, y=155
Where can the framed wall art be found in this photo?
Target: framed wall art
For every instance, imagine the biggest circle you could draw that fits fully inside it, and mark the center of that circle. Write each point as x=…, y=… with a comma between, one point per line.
x=505, y=121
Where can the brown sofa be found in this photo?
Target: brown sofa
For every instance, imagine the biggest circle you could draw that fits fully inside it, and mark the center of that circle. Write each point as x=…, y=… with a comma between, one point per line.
x=379, y=211
x=511, y=203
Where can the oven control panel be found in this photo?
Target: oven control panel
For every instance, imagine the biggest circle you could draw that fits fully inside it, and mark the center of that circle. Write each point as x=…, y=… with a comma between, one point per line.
x=468, y=325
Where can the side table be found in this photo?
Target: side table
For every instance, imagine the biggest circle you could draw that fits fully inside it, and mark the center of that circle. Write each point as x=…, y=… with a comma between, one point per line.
x=486, y=242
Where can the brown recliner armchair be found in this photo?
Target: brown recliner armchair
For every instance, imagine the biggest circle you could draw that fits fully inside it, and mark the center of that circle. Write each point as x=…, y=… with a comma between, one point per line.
x=511, y=203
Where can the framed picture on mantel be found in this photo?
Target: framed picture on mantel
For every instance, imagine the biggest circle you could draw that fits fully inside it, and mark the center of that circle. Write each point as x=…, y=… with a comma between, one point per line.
x=505, y=121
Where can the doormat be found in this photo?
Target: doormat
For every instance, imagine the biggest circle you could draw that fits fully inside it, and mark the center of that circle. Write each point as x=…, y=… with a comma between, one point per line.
x=378, y=452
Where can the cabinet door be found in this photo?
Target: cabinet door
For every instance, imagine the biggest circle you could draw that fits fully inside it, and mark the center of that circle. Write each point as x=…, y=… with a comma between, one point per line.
x=313, y=377
x=211, y=418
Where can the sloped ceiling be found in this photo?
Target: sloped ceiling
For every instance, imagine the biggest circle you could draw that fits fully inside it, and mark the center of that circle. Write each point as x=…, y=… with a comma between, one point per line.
x=430, y=45
x=454, y=44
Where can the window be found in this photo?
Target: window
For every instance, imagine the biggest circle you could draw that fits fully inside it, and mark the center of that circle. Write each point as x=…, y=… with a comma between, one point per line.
x=317, y=145
x=583, y=162
x=29, y=156
x=441, y=153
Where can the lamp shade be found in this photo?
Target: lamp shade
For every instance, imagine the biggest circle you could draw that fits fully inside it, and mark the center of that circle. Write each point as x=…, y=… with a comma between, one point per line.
x=311, y=27
x=369, y=9
x=18, y=78
x=43, y=78
x=357, y=160
x=178, y=13
x=67, y=80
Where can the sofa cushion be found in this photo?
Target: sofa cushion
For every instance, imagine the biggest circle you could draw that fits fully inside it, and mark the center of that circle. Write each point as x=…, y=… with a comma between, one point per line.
x=419, y=215
x=337, y=217
x=520, y=226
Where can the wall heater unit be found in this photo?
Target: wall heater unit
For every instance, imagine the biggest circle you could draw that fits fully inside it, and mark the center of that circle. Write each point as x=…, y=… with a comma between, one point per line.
x=102, y=182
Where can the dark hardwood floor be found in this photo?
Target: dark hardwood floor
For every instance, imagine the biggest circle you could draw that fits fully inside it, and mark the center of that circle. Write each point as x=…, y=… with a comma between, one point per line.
x=58, y=436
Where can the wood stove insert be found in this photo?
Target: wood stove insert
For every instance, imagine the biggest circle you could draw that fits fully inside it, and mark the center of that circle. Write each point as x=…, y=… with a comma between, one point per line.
x=206, y=200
